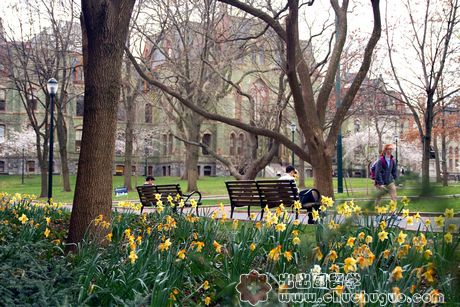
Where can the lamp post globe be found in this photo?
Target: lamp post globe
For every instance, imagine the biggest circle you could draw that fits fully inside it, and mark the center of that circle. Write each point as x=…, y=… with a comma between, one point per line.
x=52, y=87
x=293, y=128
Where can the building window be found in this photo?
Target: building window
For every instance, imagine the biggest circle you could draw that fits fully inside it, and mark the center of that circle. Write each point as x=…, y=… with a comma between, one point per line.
x=133, y=170
x=232, y=144
x=207, y=141
x=2, y=166
x=31, y=100
x=165, y=144
x=2, y=133
x=78, y=134
x=207, y=170
x=259, y=93
x=170, y=143
x=119, y=170
x=239, y=149
x=2, y=100
x=31, y=166
x=148, y=113
x=80, y=105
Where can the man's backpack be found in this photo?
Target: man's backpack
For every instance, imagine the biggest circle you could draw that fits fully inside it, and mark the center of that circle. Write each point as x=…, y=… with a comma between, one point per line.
x=372, y=168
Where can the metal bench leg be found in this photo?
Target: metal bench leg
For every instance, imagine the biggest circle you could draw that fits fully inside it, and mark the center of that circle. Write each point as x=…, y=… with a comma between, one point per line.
x=197, y=211
x=249, y=211
x=231, y=212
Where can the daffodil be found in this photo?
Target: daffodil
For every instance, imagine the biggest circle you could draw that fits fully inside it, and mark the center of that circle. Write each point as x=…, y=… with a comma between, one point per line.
x=288, y=255
x=383, y=235
x=165, y=245
x=401, y=237
x=349, y=265
x=339, y=289
x=351, y=241
x=48, y=220
x=369, y=240
x=274, y=254
x=181, y=254
x=199, y=246
x=23, y=219
x=410, y=220
x=296, y=241
x=217, y=246
x=405, y=213
x=280, y=227
x=109, y=236
x=206, y=285
x=47, y=232
x=396, y=274
x=315, y=215
x=318, y=253
x=252, y=247
x=448, y=238
x=449, y=213
x=452, y=228
x=417, y=216
x=133, y=257
x=386, y=254
x=405, y=201
x=428, y=254
x=361, y=235
x=235, y=224
x=207, y=301
x=332, y=255
x=439, y=220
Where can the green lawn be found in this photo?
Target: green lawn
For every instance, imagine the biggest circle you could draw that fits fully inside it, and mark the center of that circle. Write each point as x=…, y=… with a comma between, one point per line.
x=356, y=188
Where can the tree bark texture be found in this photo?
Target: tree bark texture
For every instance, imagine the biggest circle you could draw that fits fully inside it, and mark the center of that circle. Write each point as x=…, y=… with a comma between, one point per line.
x=192, y=154
x=129, y=139
x=62, y=139
x=105, y=26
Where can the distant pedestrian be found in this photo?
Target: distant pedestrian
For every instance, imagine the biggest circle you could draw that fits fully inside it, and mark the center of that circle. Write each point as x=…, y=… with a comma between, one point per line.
x=386, y=174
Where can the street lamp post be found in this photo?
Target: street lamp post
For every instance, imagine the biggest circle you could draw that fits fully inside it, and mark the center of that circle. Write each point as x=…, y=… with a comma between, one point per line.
x=338, y=103
x=52, y=87
x=293, y=128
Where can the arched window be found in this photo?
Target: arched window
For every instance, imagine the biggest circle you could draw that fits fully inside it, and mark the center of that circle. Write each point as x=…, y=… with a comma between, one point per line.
x=80, y=105
x=31, y=166
x=148, y=113
x=240, y=147
x=2, y=100
x=232, y=144
x=170, y=143
x=78, y=134
x=207, y=139
x=259, y=92
x=2, y=133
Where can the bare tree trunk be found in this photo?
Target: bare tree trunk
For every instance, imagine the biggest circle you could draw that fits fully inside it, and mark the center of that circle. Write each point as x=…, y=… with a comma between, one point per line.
x=445, y=175
x=302, y=164
x=62, y=138
x=426, y=141
x=192, y=156
x=105, y=26
x=437, y=161
x=322, y=173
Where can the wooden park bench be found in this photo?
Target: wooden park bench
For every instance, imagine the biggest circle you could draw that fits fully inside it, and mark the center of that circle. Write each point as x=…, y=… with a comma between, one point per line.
x=147, y=195
x=271, y=193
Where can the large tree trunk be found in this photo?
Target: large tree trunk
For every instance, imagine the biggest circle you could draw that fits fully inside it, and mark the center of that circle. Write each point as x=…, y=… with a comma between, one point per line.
x=426, y=141
x=322, y=172
x=105, y=26
x=62, y=138
x=437, y=161
x=191, y=161
x=129, y=138
x=445, y=175
x=301, y=169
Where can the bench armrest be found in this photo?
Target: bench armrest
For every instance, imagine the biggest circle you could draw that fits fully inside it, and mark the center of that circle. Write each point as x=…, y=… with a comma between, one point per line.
x=191, y=194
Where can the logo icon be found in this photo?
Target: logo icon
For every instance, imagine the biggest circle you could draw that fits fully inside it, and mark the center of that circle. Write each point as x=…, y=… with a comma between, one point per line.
x=253, y=288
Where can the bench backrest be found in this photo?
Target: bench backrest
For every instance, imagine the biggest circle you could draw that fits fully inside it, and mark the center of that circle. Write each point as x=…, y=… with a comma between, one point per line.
x=243, y=193
x=275, y=192
x=147, y=193
x=262, y=193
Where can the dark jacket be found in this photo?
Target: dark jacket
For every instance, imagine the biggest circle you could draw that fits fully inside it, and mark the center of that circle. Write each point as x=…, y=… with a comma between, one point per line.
x=383, y=174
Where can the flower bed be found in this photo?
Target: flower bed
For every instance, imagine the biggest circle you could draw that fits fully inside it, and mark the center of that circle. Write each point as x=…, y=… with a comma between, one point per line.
x=167, y=259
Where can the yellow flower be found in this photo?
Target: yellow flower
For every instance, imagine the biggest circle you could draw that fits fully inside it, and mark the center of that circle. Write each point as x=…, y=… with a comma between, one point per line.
x=296, y=241
x=392, y=205
x=206, y=285
x=157, y=196
x=333, y=225
x=199, y=246
x=412, y=289
x=401, y=237
x=360, y=299
x=405, y=201
x=274, y=254
x=318, y=253
x=383, y=235
x=334, y=268
x=297, y=205
x=280, y=227
x=361, y=235
x=405, y=213
x=127, y=233
x=193, y=203
x=410, y=220
x=217, y=246
x=327, y=201
x=349, y=265
x=449, y=213
x=369, y=239
x=397, y=273
x=252, y=247
x=252, y=216
x=452, y=228
x=435, y=297
x=428, y=254
x=139, y=240
x=386, y=254
x=351, y=241
x=165, y=245
x=383, y=225
x=258, y=225
x=109, y=237
x=315, y=215
x=333, y=255
x=429, y=275
x=57, y=241
x=23, y=219
x=48, y=220
x=417, y=216
x=235, y=225
x=207, y=301
x=448, y=238
x=132, y=256
x=181, y=254
x=427, y=222
x=439, y=220
x=396, y=291
x=47, y=232
x=296, y=222
x=295, y=233
x=288, y=255
x=339, y=289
